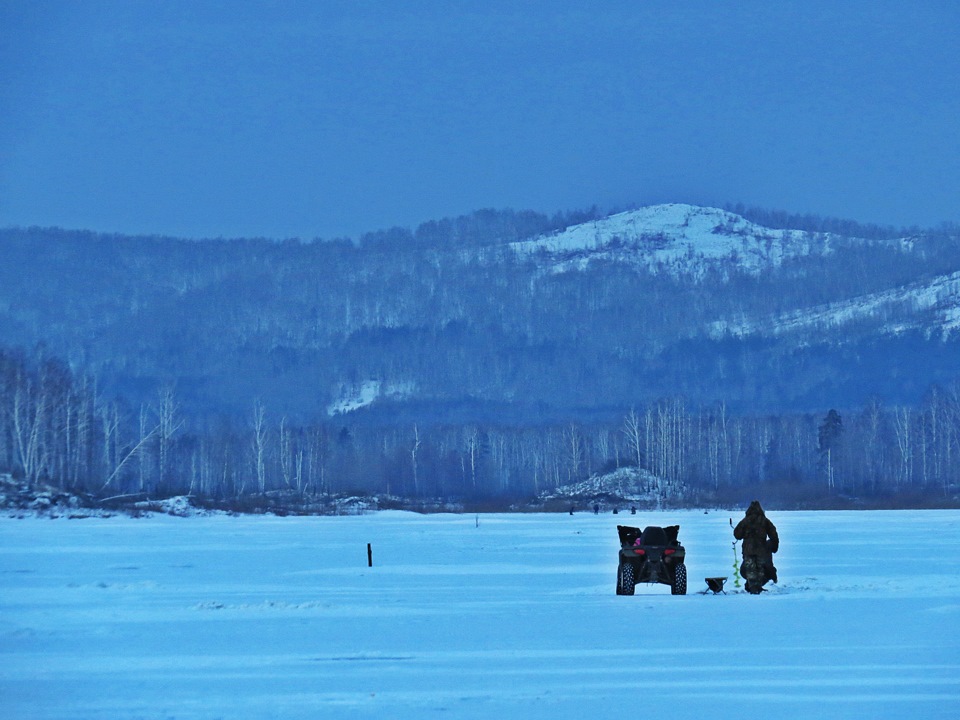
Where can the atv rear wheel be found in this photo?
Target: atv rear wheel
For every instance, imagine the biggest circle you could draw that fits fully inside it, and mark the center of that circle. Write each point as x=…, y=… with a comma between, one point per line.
x=625, y=579
x=679, y=585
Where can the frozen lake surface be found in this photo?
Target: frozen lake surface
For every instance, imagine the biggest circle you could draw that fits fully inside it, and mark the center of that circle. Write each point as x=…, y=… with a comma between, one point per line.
x=496, y=616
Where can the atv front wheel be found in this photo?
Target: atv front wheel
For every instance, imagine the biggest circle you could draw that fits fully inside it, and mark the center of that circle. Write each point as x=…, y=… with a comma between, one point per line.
x=679, y=585
x=625, y=579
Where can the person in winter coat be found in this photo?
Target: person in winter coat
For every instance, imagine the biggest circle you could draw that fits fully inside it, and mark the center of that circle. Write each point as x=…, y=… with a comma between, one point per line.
x=759, y=537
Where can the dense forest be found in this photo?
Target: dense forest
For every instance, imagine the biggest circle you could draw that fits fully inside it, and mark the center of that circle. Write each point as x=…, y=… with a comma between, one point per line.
x=465, y=329
x=443, y=361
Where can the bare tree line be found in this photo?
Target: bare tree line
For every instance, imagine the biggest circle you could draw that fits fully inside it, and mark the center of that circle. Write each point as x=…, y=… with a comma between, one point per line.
x=56, y=428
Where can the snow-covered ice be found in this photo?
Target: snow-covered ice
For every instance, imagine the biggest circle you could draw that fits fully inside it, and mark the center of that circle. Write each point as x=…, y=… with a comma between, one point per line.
x=463, y=616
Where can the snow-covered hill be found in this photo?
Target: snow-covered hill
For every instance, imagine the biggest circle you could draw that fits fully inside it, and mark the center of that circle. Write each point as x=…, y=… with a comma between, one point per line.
x=683, y=240
x=688, y=241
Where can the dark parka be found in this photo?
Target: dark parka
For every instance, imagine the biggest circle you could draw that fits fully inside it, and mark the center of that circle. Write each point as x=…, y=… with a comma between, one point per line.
x=759, y=536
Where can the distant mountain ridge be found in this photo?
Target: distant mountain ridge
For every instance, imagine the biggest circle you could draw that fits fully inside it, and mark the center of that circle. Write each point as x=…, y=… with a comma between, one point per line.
x=661, y=301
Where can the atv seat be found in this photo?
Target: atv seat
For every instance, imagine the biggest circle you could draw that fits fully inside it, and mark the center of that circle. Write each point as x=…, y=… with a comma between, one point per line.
x=654, y=536
x=716, y=584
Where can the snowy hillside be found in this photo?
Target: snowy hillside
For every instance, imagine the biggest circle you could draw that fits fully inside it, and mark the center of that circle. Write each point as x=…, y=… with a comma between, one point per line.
x=932, y=306
x=353, y=396
x=686, y=241
x=681, y=239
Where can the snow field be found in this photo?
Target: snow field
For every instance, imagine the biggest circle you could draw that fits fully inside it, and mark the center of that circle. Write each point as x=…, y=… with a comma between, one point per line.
x=490, y=616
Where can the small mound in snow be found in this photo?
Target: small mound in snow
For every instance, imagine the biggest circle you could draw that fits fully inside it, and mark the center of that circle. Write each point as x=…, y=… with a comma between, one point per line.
x=19, y=499
x=179, y=506
x=628, y=485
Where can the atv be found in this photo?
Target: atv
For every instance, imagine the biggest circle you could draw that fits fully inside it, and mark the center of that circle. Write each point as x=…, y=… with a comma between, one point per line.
x=651, y=556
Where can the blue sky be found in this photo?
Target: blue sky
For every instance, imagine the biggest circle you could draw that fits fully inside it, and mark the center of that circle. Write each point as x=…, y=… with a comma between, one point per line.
x=322, y=119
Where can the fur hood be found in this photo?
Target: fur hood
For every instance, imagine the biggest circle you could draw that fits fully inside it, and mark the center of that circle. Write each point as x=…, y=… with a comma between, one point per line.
x=755, y=511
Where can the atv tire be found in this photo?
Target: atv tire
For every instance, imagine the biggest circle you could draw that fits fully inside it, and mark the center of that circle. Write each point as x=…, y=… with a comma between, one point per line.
x=679, y=584
x=625, y=579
